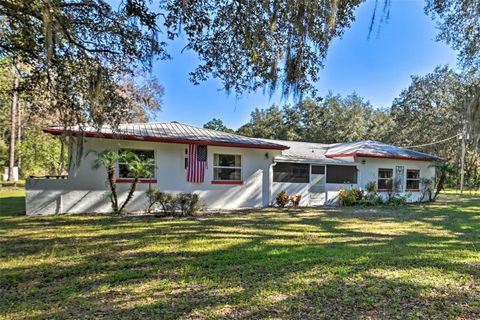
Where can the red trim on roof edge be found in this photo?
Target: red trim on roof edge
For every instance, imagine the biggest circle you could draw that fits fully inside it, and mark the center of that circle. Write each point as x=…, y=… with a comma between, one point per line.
x=129, y=180
x=364, y=155
x=171, y=140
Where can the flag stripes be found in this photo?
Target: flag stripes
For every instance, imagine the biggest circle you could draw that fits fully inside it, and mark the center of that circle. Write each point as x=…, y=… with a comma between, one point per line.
x=197, y=161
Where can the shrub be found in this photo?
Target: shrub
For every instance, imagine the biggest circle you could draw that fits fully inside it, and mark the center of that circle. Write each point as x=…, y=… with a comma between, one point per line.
x=167, y=201
x=188, y=203
x=195, y=204
x=397, y=201
x=357, y=194
x=371, y=188
x=350, y=197
x=282, y=199
x=378, y=200
x=152, y=199
x=350, y=200
x=342, y=195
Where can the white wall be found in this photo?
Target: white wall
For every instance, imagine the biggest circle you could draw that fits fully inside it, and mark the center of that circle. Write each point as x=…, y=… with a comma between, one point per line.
x=366, y=172
x=369, y=172
x=86, y=189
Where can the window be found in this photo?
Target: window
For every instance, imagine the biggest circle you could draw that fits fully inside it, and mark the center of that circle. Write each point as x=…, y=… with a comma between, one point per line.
x=144, y=155
x=341, y=174
x=185, y=161
x=291, y=172
x=385, y=179
x=318, y=169
x=413, y=179
x=227, y=167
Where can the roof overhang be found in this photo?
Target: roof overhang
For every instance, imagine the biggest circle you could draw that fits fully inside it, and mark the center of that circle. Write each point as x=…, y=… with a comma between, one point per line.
x=312, y=161
x=100, y=135
x=395, y=157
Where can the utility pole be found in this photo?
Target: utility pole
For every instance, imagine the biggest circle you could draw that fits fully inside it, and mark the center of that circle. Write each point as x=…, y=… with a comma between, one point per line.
x=462, y=165
x=13, y=114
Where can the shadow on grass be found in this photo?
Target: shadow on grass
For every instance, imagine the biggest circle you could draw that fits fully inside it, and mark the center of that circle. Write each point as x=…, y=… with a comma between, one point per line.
x=12, y=206
x=305, y=263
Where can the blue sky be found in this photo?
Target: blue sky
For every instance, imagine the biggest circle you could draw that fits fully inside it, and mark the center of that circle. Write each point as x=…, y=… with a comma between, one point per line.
x=377, y=68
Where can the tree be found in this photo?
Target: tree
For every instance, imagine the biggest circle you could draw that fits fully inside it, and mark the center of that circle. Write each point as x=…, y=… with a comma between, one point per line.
x=443, y=169
x=266, y=123
x=13, y=121
x=144, y=95
x=217, y=124
x=137, y=168
x=328, y=120
x=458, y=22
x=77, y=51
x=259, y=44
x=108, y=160
x=245, y=45
x=421, y=112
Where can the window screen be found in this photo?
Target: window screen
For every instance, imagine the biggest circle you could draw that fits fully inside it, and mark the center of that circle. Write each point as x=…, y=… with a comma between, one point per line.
x=318, y=169
x=291, y=172
x=341, y=174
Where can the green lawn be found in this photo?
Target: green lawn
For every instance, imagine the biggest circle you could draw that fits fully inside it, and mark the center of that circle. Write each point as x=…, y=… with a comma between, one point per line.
x=418, y=262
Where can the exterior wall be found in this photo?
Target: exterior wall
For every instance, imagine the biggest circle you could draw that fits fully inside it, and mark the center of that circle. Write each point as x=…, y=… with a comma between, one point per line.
x=329, y=197
x=86, y=189
x=367, y=172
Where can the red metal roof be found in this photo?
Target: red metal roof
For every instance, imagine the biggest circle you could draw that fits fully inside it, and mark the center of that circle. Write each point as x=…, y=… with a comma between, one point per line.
x=172, y=132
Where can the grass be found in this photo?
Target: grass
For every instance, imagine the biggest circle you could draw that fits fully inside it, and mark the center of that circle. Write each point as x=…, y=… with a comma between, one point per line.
x=12, y=202
x=412, y=262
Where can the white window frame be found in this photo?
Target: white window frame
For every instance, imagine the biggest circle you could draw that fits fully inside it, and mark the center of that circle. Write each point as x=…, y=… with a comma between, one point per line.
x=137, y=149
x=407, y=179
x=391, y=178
x=227, y=167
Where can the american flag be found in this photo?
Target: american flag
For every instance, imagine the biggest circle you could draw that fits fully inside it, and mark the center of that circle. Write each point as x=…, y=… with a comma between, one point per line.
x=197, y=162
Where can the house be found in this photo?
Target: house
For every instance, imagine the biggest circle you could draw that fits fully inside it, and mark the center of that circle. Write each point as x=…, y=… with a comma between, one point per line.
x=228, y=171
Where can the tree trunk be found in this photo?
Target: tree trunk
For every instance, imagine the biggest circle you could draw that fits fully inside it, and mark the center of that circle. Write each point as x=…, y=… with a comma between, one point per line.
x=133, y=186
x=441, y=182
x=113, y=188
x=13, y=114
x=462, y=167
x=62, y=156
x=19, y=136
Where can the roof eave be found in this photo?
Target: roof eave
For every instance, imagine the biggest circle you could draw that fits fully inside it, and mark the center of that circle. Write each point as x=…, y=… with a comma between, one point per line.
x=91, y=134
x=364, y=155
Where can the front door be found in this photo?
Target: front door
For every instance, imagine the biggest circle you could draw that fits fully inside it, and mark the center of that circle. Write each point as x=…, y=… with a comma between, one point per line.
x=317, y=179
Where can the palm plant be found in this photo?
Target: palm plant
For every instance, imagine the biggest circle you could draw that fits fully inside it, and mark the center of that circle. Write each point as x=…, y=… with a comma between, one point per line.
x=136, y=168
x=107, y=159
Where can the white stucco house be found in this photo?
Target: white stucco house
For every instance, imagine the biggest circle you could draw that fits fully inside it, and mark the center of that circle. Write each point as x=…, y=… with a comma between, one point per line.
x=238, y=172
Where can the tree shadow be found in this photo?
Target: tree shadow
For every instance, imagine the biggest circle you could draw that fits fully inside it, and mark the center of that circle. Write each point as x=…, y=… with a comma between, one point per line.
x=302, y=263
